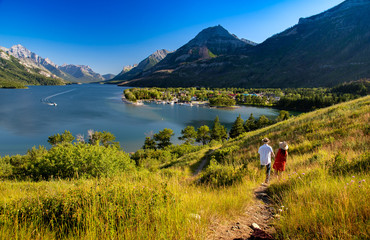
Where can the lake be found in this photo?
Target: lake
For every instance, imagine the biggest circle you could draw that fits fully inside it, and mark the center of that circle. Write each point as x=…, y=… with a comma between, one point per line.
x=28, y=116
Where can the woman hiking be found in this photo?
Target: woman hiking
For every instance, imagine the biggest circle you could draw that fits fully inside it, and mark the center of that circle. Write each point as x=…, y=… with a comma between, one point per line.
x=280, y=159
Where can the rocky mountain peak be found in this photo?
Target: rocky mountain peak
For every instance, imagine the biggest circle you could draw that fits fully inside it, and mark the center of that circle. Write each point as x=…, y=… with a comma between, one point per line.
x=19, y=51
x=212, y=33
x=128, y=68
x=159, y=54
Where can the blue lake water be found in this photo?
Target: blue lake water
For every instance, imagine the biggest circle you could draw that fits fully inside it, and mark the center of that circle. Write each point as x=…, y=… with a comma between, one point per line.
x=27, y=120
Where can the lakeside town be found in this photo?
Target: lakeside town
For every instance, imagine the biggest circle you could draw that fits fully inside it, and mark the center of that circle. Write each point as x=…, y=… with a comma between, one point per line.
x=199, y=97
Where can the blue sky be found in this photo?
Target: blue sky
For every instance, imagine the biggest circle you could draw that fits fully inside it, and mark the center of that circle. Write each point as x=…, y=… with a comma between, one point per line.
x=109, y=34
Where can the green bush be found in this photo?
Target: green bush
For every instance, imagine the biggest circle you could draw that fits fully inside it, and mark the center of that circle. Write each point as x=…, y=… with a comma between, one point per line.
x=67, y=161
x=222, y=175
x=222, y=153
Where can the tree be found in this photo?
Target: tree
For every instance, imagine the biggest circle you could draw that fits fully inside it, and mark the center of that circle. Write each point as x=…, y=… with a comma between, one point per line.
x=149, y=143
x=65, y=137
x=104, y=138
x=163, y=138
x=250, y=124
x=188, y=135
x=237, y=127
x=283, y=115
x=263, y=121
x=218, y=131
x=203, y=134
x=222, y=100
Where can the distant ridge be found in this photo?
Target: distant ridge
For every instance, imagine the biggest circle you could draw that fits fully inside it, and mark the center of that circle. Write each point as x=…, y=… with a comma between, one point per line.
x=130, y=72
x=70, y=72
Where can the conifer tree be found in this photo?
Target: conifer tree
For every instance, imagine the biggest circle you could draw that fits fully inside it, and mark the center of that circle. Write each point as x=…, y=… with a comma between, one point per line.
x=237, y=128
x=188, y=135
x=163, y=138
x=218, y=131
x=263, y=121
x=203, y=134
x=283, y=115
x=250, y=124
x=149, y=143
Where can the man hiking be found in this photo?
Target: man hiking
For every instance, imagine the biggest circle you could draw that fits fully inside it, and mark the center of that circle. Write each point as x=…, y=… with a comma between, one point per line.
x=266, y=152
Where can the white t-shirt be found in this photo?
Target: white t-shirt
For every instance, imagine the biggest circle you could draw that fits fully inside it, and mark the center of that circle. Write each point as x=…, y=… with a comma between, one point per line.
x=265, y=154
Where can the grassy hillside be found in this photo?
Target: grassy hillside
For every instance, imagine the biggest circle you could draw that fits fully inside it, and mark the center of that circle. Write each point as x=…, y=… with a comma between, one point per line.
x=15, y=75
x=324, y=190
x=322, y=195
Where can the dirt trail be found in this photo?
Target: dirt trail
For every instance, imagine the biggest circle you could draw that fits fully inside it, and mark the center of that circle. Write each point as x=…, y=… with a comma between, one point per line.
x=204, y=161
x=240, y=228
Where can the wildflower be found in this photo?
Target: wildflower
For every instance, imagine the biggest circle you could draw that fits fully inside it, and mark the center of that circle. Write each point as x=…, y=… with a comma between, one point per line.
x=282, y=206
x=280, y=210
x=303, y=173
x=352, y=181
x=363, y=180
x=353, y=176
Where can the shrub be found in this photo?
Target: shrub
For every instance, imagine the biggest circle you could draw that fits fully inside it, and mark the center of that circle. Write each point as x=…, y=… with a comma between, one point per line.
x=222, y=153
x=221, y=175
x=69, y=161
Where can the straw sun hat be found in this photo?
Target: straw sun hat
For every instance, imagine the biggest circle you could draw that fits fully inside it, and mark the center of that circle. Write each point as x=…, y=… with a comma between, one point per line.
x=283, y=145
x=265, y=140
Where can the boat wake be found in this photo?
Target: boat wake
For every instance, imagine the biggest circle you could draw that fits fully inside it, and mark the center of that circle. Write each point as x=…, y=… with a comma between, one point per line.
x=47, y=100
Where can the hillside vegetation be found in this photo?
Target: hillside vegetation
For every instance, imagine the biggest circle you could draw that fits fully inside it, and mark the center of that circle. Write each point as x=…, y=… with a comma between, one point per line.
x=154, y=195
x=15, y=75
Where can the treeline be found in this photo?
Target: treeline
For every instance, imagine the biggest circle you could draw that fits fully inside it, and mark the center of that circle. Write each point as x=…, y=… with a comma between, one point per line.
x=300, y=99
x=204, y=134
x=158, y=151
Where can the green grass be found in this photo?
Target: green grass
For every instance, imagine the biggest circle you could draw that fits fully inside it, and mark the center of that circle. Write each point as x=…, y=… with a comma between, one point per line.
x=328, y=149
x=140, y=205
x=324, y=189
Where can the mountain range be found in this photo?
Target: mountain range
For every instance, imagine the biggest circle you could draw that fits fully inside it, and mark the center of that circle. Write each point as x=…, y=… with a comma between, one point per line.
x=45, y=67
x=17, y=74
x=323, y=50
